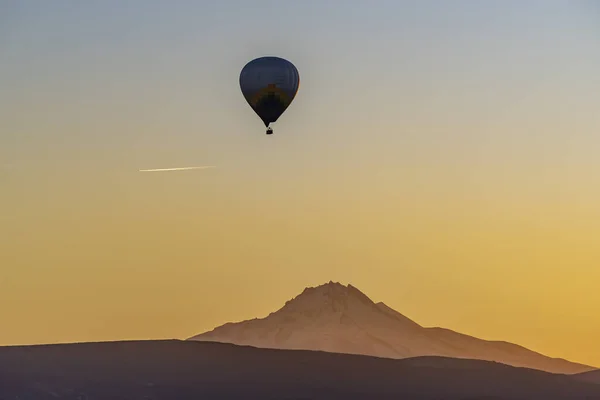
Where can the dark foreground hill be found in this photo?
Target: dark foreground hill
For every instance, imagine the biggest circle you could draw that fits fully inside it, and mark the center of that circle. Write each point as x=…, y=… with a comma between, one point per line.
x=592, y=376
x=182, y=370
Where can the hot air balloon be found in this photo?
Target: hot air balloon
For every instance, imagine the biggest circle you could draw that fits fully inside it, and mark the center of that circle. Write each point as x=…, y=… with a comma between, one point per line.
x=269, y=84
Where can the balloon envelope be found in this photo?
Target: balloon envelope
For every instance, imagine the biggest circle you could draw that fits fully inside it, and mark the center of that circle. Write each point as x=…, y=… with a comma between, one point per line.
x=269, y=84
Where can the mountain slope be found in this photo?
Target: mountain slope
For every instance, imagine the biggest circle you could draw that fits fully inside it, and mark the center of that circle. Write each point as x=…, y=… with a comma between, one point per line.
x=184, y=370
x=342, y=319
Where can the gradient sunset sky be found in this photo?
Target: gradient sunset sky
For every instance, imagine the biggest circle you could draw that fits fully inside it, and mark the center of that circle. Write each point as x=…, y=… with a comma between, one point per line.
x=443, y=157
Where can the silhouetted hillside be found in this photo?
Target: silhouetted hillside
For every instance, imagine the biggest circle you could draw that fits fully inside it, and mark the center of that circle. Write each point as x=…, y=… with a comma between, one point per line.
x=592, y=376
x=186, y=370
x=342, y=319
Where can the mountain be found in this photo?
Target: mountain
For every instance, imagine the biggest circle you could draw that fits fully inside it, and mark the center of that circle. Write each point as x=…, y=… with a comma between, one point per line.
x=341, y=319
x=186, y=370
x=591, y=376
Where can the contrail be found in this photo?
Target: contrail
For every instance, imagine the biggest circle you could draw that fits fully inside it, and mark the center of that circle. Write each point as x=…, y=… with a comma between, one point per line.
x=176, y=169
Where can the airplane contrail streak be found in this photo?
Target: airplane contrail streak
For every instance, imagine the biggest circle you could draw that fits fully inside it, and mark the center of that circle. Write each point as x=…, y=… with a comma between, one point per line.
x=177, y=169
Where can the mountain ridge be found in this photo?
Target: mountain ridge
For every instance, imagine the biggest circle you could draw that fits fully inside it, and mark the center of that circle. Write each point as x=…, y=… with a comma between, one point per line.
x=342, y=319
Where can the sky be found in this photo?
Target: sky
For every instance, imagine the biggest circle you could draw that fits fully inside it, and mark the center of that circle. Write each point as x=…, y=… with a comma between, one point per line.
x=439, y=156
